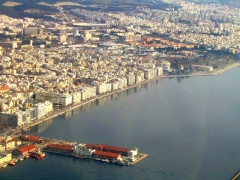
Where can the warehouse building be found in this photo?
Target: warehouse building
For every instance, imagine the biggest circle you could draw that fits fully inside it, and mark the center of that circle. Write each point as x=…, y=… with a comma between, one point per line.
x=31, y=138
x=118, y=150
x=60, y=148
x=106, y=155
x=25, y=150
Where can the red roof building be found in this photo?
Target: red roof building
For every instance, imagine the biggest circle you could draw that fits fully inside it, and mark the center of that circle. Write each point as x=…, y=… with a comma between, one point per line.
x=30, y=138
x=113, y=149
x=98, y=147
x=60, y=147
x=107, y=155
x=4, y=88
x=25, y=150
x=90, y=146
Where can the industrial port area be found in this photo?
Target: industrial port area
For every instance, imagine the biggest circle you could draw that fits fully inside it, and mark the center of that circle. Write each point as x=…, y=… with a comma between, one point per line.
x=26, y=146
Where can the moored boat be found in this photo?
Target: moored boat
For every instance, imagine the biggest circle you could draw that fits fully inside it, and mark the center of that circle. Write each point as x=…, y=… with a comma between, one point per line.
x=12, y=163
x=38, y=154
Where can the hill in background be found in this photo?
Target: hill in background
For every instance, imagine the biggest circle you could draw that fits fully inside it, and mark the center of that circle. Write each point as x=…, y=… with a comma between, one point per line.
x=19, y=8
x=39, y=8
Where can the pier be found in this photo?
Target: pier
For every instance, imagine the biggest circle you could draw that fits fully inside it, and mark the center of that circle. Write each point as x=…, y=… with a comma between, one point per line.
x=108, y=154
x=97, y=152
x=46, y=142
x=138, y=158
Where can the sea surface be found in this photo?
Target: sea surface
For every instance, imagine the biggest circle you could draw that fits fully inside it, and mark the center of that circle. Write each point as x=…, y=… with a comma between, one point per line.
x=190, y=127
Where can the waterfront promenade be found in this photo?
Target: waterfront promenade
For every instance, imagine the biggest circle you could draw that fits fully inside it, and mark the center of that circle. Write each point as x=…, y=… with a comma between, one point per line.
x=60, y=111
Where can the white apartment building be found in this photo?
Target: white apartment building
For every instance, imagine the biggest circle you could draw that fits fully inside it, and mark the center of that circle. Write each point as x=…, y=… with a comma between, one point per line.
x=5, y=157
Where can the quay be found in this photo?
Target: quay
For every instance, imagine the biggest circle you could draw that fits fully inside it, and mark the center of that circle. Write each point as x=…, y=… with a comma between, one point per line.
x=139, y=158
x=37, y=147
x=113, y=154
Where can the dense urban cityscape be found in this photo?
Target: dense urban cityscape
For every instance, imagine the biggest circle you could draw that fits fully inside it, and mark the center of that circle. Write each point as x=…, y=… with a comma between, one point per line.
x=68, y=58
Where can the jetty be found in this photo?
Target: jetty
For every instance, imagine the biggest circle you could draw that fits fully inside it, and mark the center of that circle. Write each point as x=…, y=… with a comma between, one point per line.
x=97, y=152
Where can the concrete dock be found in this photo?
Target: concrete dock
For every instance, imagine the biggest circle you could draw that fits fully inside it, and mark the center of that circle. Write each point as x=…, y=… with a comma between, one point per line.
x=47, y=141
x=139, y=158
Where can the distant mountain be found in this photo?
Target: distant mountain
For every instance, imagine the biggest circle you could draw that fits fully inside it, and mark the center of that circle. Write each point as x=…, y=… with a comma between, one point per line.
x=18, y=8
x=38, y=8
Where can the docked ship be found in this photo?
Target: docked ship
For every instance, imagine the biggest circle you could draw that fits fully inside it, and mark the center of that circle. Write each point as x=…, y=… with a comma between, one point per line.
x=38, y=154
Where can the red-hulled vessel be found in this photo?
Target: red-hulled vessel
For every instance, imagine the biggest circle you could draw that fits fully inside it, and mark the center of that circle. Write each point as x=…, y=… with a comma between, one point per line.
x=38, y=155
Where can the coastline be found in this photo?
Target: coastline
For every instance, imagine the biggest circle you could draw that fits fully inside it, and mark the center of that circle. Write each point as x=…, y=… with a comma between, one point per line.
x=66, y=109
x=214, y=73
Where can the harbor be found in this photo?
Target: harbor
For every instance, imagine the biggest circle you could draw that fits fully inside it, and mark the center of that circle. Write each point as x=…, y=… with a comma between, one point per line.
x=32, y=146
x=155, y=131
x=96, y=152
